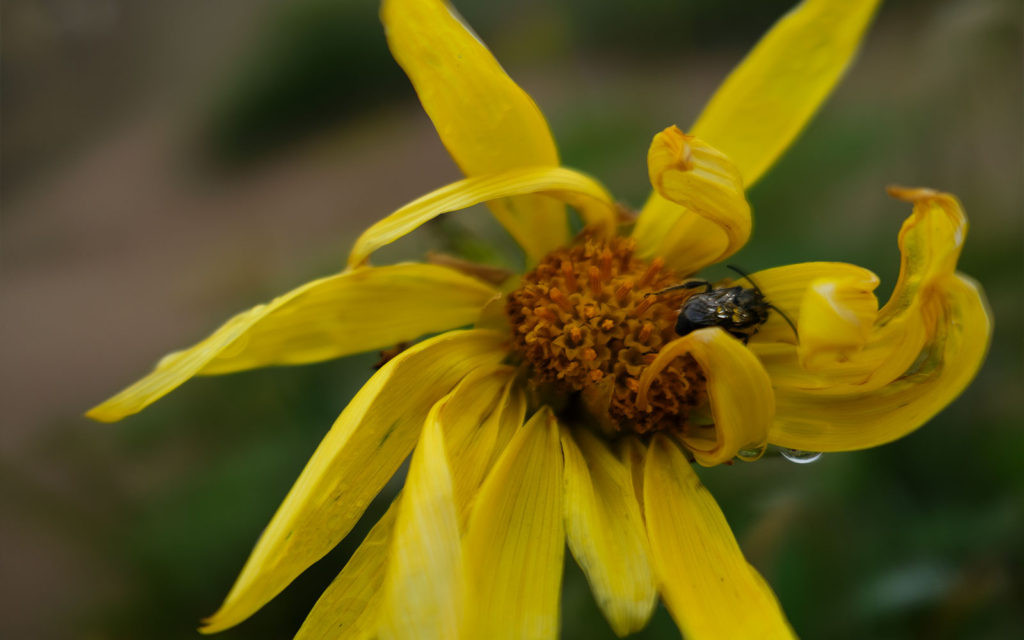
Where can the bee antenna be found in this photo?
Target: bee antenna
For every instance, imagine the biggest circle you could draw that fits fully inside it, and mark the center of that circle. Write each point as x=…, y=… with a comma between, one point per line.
x=746, y=275
x=786, y=318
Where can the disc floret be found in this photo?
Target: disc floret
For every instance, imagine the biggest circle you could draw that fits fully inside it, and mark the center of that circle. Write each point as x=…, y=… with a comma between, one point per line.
x=583, y=321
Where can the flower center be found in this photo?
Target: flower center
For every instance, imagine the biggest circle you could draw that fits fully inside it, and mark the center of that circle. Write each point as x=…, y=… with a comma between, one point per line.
x=582, y=321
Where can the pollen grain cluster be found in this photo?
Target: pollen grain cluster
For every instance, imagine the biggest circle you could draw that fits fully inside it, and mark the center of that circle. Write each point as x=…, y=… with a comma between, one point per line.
x=581, y=319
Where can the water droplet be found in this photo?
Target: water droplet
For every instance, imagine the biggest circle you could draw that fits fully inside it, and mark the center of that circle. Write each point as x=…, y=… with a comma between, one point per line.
x=800, y=457
x=751, y=452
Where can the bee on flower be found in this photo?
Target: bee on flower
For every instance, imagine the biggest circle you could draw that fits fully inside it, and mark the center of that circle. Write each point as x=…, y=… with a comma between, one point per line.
x=569, y=403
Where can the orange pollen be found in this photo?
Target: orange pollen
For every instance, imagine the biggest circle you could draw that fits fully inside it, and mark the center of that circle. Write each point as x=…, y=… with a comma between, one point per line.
x=607, y=332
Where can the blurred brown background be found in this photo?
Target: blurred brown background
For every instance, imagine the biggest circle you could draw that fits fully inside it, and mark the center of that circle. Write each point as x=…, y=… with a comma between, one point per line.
x=167, y=164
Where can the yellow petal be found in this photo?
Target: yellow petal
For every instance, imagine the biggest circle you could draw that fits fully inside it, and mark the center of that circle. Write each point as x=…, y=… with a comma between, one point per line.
x=514, y=545
x=423, y=586
x=632, y=453
x=706, y=583
x=353, y=601
x=473, y=437
x=768, y=99
x=364, y=447
x=487, y=122
x=350, y=605
x=687, y=172
x=930, y=243
x=587, y=195
x=958, y=315
x=511, y=420
x=354, y=311
x=836, y=319
x=786, y=288
x=606, y=532
x=739, y=392
x=686, y=241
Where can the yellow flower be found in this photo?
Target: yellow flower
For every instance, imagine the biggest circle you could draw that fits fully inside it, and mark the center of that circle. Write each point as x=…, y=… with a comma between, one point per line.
x=572, y=410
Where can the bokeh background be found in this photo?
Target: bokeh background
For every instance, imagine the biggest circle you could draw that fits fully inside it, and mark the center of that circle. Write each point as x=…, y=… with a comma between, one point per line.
x=167, y=164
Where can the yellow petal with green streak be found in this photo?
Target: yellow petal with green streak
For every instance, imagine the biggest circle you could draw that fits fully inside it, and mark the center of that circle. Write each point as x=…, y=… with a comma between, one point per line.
x=423, y=586
x=606, y=532
x=930, y=243
x=768, y=99
x=355, y=311
x=706, y=583
x=514, y=544
x=922, y=349
x=698, y=213
x=349, y=607
x=364, y=447
x=961, y=326
x=739, y=392
x=583, y=192
x=487, y=122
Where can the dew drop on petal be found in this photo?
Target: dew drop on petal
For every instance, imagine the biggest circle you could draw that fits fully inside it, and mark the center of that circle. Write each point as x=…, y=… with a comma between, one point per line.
x=751, y=452
x=800, y=457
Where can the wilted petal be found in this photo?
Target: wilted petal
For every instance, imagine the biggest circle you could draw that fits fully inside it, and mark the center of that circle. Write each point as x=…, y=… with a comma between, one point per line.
x=739, y=392
x=922, y=349
x=959, y=316
x=698, y=213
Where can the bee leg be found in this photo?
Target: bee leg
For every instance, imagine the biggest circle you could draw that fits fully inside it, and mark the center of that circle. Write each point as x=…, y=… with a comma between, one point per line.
x=739, y=335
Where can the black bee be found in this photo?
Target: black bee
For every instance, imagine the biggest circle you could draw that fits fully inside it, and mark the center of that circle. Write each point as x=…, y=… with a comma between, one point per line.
x=738, y=310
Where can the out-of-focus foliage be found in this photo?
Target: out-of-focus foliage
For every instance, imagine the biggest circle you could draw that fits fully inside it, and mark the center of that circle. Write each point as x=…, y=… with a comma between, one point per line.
x=917, y=539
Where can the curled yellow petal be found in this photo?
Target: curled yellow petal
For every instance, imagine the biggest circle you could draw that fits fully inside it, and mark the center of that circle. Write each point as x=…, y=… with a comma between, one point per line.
x=514, y=544
x=922, y=348
x=606, y=532
x=423, y=584
x=350, y=605
x=577, y=189
x=698, y=213
x=355, y=311
x=691, y=173
x=930, y=242
x=958, y=319
x=739, y=393
x=836, y=319
x=786, y=287
x=487, y=122
x=708, y=586
x=768, y=99
x=364, y=448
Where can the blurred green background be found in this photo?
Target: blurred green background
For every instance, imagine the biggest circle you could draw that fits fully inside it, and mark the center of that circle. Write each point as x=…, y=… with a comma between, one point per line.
x=167, y=164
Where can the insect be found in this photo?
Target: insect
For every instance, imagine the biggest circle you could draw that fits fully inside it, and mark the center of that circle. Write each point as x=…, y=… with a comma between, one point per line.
x=740, y=311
